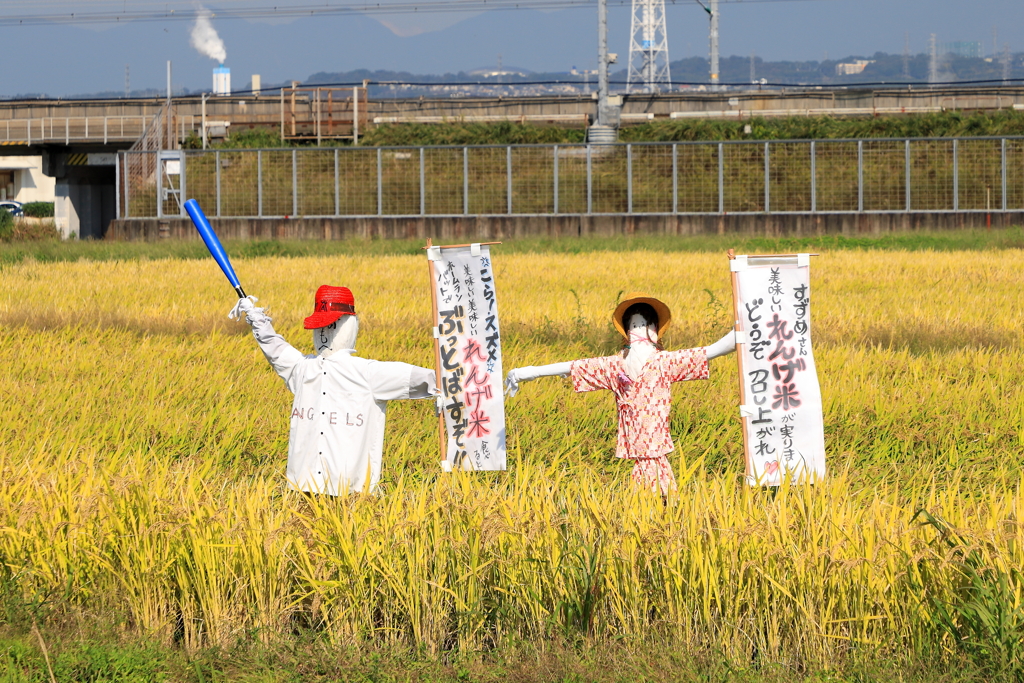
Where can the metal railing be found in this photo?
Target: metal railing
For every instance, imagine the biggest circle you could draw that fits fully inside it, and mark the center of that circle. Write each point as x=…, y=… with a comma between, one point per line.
x=70, y=129
x=778, y=177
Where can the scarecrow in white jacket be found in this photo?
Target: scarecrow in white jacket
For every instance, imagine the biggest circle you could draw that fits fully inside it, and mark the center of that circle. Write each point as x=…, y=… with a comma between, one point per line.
x=640, y=377
x=337, y=418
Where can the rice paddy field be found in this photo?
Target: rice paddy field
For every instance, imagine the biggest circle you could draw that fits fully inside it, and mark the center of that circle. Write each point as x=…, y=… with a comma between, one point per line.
x=146, y=532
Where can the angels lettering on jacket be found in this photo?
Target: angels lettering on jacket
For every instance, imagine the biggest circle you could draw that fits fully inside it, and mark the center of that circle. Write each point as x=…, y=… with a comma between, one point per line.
x=640, y=377
x=340, y=400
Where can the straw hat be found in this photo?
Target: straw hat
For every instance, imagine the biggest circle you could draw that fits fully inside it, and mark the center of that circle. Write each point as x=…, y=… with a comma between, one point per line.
x=664, y=315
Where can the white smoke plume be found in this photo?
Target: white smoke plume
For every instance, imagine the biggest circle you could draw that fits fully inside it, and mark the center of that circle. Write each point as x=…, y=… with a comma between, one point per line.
x=205, y=38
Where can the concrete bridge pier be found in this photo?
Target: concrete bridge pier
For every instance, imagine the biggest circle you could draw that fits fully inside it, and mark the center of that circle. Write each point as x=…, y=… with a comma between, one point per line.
x=84, y=202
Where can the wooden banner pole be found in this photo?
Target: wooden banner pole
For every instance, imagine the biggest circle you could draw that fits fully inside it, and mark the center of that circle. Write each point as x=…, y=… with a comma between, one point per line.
x=748, y=470
x=441, y=430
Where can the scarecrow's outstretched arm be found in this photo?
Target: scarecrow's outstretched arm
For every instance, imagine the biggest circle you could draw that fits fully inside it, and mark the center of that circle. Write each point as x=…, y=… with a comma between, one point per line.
x=281, y=355
x=723, y=346
x=532, y=372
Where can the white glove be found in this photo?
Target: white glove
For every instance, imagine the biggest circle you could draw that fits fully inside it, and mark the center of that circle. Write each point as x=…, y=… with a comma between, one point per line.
x=242, y=307
x=723, y=346
x=438, y=405
x=531, y=372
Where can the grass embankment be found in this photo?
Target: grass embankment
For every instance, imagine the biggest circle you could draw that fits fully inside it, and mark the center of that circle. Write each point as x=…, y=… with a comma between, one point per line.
x=143, y=517
x=939, y=124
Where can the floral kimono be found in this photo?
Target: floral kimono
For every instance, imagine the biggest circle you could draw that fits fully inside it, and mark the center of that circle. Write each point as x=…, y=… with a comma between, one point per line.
x=643, y=406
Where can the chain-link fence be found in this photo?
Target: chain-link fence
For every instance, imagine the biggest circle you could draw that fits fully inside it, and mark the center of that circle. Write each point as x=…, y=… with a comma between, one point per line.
x=917, y=175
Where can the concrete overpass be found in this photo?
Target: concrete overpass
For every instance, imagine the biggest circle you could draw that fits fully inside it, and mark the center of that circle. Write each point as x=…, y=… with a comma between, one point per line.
x=76, y=142
x=307, y=113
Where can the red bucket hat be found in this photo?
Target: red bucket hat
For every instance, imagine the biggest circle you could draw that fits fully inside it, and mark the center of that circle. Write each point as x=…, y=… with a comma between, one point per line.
x=331, y=304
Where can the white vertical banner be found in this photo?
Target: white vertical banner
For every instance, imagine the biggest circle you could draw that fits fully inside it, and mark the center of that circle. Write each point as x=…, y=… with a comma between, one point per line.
x=469, y=357
x=783, y=430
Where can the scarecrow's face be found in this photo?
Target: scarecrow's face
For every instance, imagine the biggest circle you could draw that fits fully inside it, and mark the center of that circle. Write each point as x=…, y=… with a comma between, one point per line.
x=640, y=329
x=323, y=337
x=339, y=335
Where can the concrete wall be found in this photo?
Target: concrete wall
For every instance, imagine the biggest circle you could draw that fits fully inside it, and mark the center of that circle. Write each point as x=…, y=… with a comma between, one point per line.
x=65, y=215
x=484, y=228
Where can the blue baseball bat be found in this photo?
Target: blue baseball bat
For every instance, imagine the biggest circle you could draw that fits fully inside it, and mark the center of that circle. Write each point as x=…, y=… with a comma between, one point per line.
x=213, y=244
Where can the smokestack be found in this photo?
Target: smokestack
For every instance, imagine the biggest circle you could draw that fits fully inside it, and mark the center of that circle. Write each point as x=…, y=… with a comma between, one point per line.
x=221, y=80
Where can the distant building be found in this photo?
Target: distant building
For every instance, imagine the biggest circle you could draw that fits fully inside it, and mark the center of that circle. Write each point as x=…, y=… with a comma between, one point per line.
x=853, y=68
x=962, y=48
x=499, y=71
x=22, y=179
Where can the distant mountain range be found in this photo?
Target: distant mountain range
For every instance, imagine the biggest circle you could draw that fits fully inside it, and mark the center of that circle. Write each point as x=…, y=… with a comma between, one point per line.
x=693, y=72
x=686, y=73
x=881, y=68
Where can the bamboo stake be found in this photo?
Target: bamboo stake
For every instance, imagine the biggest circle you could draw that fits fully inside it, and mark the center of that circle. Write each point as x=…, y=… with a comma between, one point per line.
x=457, y=246
x=441, y=430
x=739, y=364
x=46, y=653
x=771, y=255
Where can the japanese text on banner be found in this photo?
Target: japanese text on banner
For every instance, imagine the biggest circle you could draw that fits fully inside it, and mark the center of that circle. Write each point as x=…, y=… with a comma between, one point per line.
x=784, y=427
x=469, y=340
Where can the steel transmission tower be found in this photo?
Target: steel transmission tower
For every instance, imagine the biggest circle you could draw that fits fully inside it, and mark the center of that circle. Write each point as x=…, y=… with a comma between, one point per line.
x=648, y=48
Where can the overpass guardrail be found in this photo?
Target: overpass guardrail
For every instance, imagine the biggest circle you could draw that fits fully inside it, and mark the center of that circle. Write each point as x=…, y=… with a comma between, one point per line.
x=94, y=129
x=99, y=129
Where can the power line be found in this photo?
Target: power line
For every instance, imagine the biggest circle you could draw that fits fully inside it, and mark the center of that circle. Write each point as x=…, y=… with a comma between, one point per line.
x=297, y=11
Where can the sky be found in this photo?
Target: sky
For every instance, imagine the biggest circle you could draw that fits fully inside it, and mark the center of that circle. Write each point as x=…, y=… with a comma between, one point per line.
x=60, y=59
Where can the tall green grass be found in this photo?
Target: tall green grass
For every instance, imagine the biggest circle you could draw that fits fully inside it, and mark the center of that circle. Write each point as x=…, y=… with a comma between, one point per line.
x=55, y=251
x=937, y=124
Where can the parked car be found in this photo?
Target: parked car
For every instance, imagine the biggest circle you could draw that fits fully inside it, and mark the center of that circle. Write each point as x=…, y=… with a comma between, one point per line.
x=12, y=207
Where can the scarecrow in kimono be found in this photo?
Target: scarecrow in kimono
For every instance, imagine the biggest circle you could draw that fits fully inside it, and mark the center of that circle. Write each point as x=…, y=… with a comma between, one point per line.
x=640, y=376
x=340, y=405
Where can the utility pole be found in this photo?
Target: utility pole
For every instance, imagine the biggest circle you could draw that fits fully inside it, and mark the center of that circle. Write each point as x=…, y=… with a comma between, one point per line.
x=602, y=62
x=933, y=60
x=906, y=55
x=1006, y=61
x=167, y=109
x=127, y=82
x=606, y=128
x=713, y=11
x=753, y=69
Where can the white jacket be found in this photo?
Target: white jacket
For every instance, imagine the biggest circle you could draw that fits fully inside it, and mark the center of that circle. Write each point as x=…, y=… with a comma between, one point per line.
x=338, y=415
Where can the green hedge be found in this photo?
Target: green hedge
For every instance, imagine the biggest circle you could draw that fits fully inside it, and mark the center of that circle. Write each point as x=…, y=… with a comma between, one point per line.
x=38, y=209
x=6, y=225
